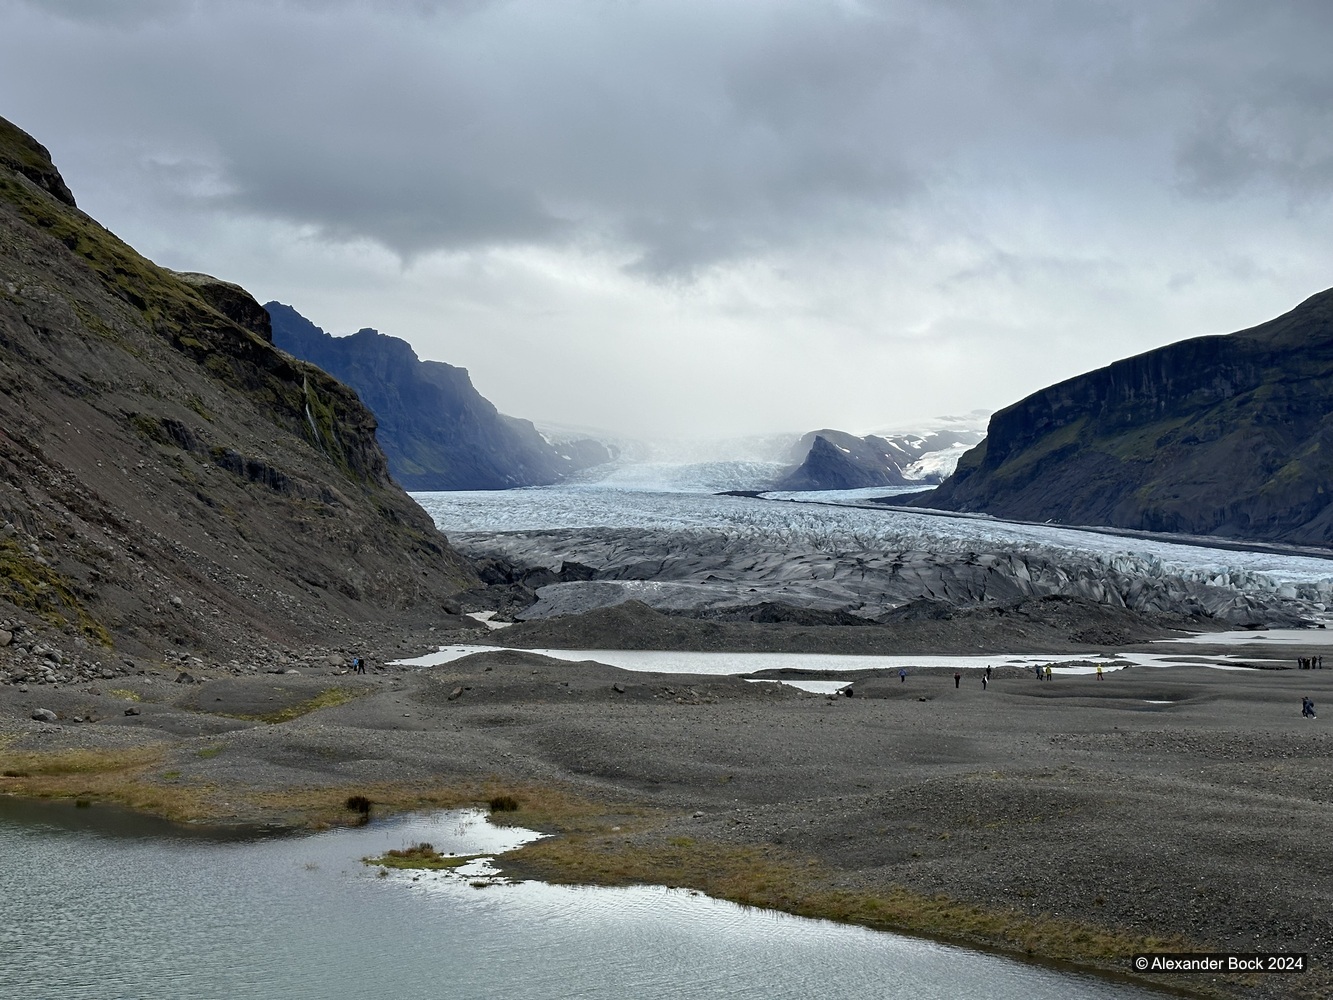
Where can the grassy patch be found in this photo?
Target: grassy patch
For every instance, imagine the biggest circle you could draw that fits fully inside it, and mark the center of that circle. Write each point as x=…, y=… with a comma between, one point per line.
x=118, y=777
x=328, y=698
x=212, y=751
x=770, y=877
x=125, y=694
x=28, y=584
x=420, y=856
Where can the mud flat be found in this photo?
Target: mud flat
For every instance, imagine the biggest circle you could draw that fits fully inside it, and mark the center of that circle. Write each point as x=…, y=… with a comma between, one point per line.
x=1075, y=820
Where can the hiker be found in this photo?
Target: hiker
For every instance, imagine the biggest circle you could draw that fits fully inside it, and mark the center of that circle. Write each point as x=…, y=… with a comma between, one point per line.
x=358, y=665
x=902, y=674
x=987, y=671
x=1048, y=672
x=984, y=678
x=1099, y=671
x=957, y=679
x=1307, y=708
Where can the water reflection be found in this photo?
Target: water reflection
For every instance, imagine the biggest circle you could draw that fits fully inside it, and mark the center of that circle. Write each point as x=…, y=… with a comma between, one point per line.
x=97, y=908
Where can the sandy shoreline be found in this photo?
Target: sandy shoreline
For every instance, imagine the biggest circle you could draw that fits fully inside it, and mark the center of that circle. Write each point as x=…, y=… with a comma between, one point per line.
x=1186, y=803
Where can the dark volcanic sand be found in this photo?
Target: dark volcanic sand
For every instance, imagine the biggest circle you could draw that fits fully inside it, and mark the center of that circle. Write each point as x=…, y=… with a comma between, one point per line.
x=1209, y=817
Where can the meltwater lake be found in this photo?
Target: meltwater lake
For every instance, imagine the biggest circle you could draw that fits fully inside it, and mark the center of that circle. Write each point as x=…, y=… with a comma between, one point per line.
x=101, y=905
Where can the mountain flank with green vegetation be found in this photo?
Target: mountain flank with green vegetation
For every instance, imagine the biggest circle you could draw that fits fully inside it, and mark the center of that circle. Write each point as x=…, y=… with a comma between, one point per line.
x=170, y=478
x=1227, y=435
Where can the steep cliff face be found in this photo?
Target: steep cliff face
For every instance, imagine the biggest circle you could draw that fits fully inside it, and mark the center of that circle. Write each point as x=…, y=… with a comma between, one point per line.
x=169, y=477
x=439, y=433
x=1221, y=435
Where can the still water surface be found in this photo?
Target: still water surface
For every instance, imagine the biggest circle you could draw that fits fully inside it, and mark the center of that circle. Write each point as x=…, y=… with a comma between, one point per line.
x=94, y=904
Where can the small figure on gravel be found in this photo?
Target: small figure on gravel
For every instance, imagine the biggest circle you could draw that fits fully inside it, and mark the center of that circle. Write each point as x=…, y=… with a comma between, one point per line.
x=1099, y=671
x=358, y=665
x=902, y=674
x=985, y=678
x=957, y=679
x=1307, y=708
x=987, y=671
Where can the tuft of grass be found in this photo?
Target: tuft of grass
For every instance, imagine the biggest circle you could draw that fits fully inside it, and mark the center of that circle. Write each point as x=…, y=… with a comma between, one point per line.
x=504, y=803
x=210, y=751
x=420, y=856
x=125, y=694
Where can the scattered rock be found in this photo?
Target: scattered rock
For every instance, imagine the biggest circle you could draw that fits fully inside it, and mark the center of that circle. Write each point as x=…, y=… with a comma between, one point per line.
x=6, y=637
x=185, y=678
x=44, y=715
x=455, y=694
x=618, y=688
x=132, y=710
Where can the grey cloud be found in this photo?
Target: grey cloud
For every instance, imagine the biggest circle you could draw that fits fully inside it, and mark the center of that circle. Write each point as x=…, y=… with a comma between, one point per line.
x=119, y=13
x=683, y=135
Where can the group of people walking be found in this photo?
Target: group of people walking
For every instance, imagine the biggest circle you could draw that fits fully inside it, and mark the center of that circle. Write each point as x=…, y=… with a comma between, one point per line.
x=1310, y=662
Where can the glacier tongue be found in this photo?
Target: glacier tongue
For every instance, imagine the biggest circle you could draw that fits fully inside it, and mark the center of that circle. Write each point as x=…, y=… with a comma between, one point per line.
x=681, y=550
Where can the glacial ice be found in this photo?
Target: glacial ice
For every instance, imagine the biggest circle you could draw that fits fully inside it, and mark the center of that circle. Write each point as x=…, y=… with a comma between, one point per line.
x=677, y=548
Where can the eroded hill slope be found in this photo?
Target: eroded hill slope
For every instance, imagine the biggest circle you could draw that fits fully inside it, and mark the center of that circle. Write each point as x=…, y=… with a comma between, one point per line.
x=168, y=478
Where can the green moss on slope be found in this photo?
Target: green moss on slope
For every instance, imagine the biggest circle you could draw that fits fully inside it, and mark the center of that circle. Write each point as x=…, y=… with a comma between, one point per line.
x=37, y=588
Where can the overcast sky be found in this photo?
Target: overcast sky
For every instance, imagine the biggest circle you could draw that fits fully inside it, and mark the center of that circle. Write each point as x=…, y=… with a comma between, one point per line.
x=677, y=218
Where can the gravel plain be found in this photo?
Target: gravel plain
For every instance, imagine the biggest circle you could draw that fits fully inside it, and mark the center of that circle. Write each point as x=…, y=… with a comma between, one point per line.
x=1184, y=802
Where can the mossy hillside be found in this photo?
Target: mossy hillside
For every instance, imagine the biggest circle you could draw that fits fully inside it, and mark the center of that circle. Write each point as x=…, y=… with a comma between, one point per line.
x=39, y=589
x=1059, y=441
x=24, y=155
x=1216, y=435
x=176, y=311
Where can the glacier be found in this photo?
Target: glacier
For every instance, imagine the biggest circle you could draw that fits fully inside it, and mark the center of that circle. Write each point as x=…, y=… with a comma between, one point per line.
x=659, y=536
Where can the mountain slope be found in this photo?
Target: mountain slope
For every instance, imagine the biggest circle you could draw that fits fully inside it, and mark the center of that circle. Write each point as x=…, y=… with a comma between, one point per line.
x=1219, y=435
x=438, y=432
x=169, y=477
x=836, y=460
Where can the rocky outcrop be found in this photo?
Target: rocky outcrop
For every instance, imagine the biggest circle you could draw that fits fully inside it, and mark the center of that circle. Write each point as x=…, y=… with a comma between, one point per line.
x=167, y=477
x=232, y=301
x=835, y=460
x=439, y=433
x=1219, y=435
